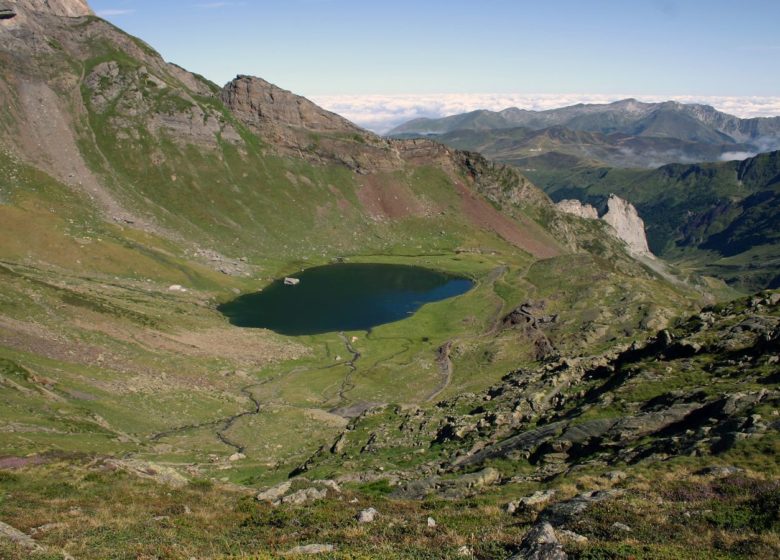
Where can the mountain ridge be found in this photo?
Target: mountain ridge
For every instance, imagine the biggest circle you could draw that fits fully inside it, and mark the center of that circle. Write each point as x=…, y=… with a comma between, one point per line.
x=625, y=133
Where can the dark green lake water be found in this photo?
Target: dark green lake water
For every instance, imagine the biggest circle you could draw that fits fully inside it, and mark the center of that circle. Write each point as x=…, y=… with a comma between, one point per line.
x=343, y=297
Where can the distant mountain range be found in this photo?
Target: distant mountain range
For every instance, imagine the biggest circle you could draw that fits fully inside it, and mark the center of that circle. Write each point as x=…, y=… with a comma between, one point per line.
x=625, y=133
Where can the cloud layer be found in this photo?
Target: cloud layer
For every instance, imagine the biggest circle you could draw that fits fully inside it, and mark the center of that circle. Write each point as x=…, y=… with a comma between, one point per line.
x=381, y=113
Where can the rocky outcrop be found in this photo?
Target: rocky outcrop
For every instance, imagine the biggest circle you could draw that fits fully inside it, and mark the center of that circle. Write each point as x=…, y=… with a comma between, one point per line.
x=63, y=8
x=577, y=208
x=540, y=543
x=622, y=217
x=544, y=417
x=18, y=538
x=628, y=226
x=262, y=104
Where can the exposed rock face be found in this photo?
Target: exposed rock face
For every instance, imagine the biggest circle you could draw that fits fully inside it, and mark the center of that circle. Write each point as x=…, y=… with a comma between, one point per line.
x=540, y=543
x=625, y=220
x=621, y=215
x=573, y=206
x=64, y=8
x=254, y=100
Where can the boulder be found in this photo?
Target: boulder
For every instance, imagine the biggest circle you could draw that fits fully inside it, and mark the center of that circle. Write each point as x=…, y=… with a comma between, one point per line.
x=367, y=515
x=540, y=543
x=17, y=537
x=537, y=498
x=303, y=496
x=151, y=471
x=480, y=479
x=565, y=512
x=275, y=492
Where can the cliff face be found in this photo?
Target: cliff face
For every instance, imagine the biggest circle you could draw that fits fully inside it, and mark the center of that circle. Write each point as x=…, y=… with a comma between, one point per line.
x=63, y=8
x=256, y=101
x=621, y=216
x=629, y=227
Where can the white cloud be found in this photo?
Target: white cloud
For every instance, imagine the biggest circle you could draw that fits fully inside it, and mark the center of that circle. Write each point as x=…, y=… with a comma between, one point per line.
x=380, y=113
x=111, y=12
x=732, y=156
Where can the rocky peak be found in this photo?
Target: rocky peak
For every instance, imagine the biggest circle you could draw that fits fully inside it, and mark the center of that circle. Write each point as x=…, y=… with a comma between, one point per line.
x=262, y=104
x=63, y=8
x=621, y=216
x=629, y=227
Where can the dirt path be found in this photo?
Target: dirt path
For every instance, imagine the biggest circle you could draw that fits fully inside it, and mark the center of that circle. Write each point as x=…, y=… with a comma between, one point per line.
x=446, y=367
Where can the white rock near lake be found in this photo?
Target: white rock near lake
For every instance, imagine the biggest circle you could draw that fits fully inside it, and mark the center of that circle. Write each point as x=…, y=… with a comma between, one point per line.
x=622, y=216
x=629, y=227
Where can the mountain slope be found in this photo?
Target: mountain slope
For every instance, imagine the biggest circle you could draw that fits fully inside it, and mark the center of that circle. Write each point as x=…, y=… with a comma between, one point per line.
x=135, y=197
x=718, y=217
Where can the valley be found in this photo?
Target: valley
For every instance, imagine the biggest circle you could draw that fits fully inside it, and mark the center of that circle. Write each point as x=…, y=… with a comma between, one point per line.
x=564, y=385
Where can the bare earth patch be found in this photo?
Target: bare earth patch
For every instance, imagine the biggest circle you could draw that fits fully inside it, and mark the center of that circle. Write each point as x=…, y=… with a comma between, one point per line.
x=482, y=214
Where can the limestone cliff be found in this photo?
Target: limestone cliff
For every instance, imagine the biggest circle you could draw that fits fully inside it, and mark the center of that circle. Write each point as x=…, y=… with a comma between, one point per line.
x=629, y=227
x=577, y=208
x=622, y=217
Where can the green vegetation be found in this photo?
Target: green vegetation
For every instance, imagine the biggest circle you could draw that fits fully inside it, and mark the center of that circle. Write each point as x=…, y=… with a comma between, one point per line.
x=135, y=422
x=718, y=219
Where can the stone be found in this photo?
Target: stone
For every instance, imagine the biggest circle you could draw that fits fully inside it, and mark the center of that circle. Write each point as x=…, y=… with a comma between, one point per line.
x=615, y=476
x=303, y=496
x=275, y=492
x=367, y=515
x=719, y=471
x=311, y=549
x=465, y=552
x=330, y=485
x=621, y=527
x=537, y=498
x=571, y=536
x=480, y=479
x=563, y=512
x=540, y=543
x=236, y=457
x=17, y=537
x=151, y=471
x=431, y=522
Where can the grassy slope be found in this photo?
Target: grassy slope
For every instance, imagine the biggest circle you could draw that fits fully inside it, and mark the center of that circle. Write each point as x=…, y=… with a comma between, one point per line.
x=98, y=357
x=719, y=218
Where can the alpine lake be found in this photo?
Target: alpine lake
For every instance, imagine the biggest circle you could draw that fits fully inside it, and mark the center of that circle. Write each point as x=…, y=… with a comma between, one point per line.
x=342, y=297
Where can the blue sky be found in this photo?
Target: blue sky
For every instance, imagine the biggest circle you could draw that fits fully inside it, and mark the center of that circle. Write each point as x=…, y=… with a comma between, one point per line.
x=327, y=48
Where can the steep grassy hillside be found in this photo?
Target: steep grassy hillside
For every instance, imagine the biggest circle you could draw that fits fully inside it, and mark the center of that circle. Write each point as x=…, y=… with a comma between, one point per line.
x=719, y=218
